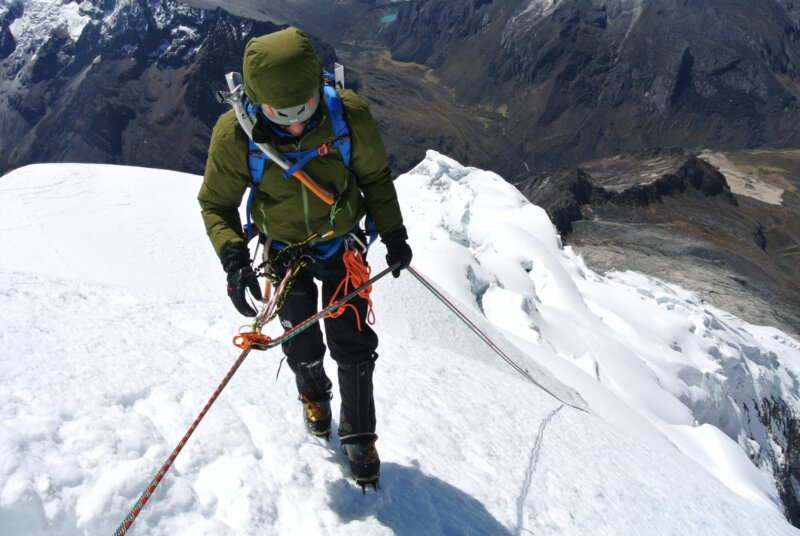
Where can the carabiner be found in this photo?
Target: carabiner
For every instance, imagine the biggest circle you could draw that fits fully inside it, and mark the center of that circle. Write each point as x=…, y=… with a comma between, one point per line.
x=352, y=241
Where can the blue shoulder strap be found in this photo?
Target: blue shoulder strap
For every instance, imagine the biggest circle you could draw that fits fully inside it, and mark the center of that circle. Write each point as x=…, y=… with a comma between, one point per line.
x=257, y=160
x=340, y=130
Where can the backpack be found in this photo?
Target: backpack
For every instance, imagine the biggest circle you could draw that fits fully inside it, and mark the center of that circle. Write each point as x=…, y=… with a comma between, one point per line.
x=257, y=160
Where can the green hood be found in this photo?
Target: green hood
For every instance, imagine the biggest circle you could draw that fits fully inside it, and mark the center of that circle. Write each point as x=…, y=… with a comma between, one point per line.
x=281, y=69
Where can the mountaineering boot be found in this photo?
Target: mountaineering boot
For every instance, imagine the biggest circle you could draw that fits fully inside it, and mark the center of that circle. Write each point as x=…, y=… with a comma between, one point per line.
x=314, y=389
x=365, y=465
x=317, y=415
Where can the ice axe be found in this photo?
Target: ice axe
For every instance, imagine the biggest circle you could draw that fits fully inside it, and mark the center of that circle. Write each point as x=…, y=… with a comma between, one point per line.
x=235, y=98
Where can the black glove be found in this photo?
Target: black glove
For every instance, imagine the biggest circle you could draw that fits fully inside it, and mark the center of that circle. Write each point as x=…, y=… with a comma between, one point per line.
x=236, y=262
x=397, y=250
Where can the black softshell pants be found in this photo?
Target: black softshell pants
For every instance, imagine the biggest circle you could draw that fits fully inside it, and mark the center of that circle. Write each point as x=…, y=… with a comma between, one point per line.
x=351, y=348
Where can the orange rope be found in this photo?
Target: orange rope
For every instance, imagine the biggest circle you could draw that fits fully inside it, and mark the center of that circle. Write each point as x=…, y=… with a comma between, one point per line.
x=357, y=274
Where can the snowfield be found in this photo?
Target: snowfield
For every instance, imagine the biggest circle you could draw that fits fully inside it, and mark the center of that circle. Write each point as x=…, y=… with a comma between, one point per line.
x=115, y=329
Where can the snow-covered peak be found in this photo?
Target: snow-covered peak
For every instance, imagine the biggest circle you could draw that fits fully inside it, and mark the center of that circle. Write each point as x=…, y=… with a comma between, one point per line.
x=123, y=23
x=40, y=18
x=676, y=361
x=115, y=329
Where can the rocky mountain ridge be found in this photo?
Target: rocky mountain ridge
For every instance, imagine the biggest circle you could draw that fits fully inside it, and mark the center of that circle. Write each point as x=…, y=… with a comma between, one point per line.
x=126, y=81
x=131, y=81
x=672, y=214
x=574, y=80
x=148, y=99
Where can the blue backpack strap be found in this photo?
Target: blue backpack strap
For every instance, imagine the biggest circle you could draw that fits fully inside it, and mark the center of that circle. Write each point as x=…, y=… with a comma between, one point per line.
x=340, y=130
x=304, y=157
x=256, y=162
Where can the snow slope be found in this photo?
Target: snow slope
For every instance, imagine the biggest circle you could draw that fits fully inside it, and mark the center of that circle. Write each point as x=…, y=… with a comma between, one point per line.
x=115, y=329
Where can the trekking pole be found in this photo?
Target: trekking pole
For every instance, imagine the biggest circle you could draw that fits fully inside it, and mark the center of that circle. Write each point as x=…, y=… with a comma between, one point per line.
x=247, y=342
x=485, y=338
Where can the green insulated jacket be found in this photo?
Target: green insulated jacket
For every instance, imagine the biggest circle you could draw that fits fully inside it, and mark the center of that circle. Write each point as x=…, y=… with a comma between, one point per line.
x=283, y=208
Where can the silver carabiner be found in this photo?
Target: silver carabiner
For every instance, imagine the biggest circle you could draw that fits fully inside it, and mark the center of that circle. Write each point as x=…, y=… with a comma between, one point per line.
x=352, y=241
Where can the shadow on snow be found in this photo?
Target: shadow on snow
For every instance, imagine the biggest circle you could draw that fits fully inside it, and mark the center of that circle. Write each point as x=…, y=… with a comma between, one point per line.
x=411, y=503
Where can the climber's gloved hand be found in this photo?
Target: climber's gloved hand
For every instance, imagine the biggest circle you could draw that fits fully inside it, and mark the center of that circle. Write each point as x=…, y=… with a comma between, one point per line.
x=397, y=250
x=241, y=278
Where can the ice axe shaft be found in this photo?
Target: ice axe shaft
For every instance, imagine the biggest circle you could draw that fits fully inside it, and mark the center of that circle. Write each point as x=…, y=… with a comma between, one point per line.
x=234, y=97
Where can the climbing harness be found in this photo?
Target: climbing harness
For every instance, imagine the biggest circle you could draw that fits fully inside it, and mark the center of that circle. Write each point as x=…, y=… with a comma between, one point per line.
x=275, y=304
x=292, y=259
x=357, y=272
